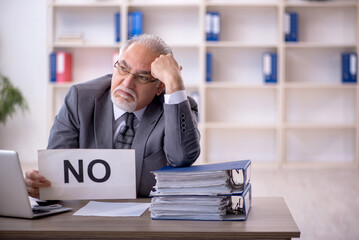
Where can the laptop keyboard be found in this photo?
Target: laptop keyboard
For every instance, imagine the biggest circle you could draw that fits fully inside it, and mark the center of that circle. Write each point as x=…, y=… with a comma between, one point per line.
x=38, y=211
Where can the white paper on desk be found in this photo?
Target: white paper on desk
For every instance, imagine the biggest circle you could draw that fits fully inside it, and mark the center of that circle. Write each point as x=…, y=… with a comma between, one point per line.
x=109, y=209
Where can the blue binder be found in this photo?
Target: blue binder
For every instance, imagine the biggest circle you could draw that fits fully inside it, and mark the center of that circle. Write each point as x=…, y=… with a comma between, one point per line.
x=291, y=27
x=208, y=67
x=213, y=26
x=238, y=171
x=135, y=22
x=117, y=27
x=53, y=67
x=269, y=67
x=349, y=67
x=235, y=207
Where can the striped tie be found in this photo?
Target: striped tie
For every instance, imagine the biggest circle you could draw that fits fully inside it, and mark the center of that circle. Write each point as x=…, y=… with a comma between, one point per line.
x=124, y=136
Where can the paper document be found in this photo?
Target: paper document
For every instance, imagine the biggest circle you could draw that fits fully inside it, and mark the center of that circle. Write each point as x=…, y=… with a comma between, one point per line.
x=110, y=209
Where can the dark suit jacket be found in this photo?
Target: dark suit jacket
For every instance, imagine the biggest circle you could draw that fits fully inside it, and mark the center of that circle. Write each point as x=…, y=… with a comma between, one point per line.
x=167, y=133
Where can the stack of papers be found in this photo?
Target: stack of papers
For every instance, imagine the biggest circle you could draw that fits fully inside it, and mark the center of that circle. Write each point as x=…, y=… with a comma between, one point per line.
x=192, y=207
x=192, y=183
x=202, y=192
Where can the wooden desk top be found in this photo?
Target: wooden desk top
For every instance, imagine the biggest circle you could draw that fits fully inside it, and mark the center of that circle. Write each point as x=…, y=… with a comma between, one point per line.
x=269, y=217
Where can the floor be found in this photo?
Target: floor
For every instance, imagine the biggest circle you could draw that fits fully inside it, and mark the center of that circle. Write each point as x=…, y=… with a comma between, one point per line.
x=323, y=202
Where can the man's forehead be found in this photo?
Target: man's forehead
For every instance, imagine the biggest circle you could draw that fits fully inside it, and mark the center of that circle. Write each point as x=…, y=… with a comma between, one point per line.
x=138, y=55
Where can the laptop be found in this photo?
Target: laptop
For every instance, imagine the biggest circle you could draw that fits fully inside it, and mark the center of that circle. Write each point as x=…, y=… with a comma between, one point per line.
x=14, y=200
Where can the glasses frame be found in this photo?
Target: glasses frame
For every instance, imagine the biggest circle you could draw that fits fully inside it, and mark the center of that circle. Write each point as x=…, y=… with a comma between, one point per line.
x=138, y=78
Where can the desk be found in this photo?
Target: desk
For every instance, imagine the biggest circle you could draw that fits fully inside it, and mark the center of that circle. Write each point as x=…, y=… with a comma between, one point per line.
x=269, y=218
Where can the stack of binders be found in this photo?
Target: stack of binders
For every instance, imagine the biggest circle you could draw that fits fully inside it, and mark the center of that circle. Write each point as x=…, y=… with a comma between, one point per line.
x=220, y=191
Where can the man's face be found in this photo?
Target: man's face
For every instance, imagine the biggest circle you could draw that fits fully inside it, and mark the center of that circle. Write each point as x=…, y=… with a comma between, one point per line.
x=127, y=92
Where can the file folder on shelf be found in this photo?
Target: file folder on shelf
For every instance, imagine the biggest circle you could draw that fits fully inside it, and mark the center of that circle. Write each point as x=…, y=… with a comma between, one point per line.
x=211, y=179
x=270, y=67
x=118, y=27
x=208, y=67
x=213, y=26
x=291, y=27
x=208, y=208
x=349, y=67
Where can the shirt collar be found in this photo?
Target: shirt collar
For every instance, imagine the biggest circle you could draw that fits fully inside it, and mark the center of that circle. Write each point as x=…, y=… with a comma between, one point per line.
x=118, y=112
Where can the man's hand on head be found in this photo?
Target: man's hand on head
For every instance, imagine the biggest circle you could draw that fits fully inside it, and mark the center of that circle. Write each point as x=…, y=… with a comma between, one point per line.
x=166, y=69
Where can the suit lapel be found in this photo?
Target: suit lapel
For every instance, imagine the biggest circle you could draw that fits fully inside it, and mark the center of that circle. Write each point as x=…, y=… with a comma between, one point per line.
x=103, y=121
x=152, y=113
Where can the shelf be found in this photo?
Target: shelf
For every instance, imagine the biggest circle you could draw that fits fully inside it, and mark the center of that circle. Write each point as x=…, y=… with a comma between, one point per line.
x=331, y=4
x=242, y=3
x=86, y=45
x=234, y=125
x=89, y=3
x=234, y=44
x=163, y=3
x=232, y=85
x=316, y=45
x=64, y=85
x=322, y=126
x=322, y=86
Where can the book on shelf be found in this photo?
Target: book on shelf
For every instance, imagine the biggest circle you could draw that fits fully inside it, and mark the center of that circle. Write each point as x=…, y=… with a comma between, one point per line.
x=208, y=67
x=349, y=67
x=75, y=38
x=60, y=66
x=222, y=189
x=213, y=26
x=291, y=27
x=135, y=23
x=53, y=67
x=270, y=67
x=117, y=27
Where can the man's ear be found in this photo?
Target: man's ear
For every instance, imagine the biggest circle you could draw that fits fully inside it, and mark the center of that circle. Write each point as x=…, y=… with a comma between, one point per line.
x=160, y=88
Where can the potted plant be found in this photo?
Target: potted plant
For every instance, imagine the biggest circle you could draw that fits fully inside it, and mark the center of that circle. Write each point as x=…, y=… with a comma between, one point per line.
x=10, y=99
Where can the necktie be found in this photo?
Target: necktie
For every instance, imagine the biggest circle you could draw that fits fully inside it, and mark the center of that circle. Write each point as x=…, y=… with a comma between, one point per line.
x=124, y=136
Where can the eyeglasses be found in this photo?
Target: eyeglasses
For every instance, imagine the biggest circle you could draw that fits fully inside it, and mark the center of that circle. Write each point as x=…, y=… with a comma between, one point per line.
x=140, y=78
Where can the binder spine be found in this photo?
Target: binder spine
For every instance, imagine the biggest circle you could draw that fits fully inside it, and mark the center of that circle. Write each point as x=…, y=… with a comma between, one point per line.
x=349, y=67
x=53, y=67
x=291, y=27
x=118, y=27
x=208, y=26
x=63, y=67
x=213, y=26
x=135, y=22
x=270, y=67
x=208, y=67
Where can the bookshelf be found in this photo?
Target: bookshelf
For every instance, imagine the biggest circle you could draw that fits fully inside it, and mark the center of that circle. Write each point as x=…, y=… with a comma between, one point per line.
x=309, y=118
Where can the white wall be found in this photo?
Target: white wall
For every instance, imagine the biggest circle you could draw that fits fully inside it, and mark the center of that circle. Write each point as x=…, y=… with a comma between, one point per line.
x=23, y=59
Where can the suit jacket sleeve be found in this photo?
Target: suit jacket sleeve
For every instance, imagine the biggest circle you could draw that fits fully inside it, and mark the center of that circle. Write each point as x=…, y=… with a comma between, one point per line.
x=65, y=130
x=181, y=140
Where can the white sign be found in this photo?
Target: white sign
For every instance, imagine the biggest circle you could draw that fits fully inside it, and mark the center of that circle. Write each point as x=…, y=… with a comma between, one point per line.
x=88, y=174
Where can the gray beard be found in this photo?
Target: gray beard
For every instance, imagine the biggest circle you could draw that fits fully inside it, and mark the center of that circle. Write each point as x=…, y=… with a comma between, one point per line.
x=122, y=102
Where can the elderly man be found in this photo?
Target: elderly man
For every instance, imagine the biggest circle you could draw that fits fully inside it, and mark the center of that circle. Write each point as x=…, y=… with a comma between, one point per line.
x=142, y=105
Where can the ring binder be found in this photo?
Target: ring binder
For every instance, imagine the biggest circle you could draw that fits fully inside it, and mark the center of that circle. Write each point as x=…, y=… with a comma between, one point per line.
x=219, y=191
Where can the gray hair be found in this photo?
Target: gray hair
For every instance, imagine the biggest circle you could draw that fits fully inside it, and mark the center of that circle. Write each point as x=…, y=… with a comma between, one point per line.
x=151, y=41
